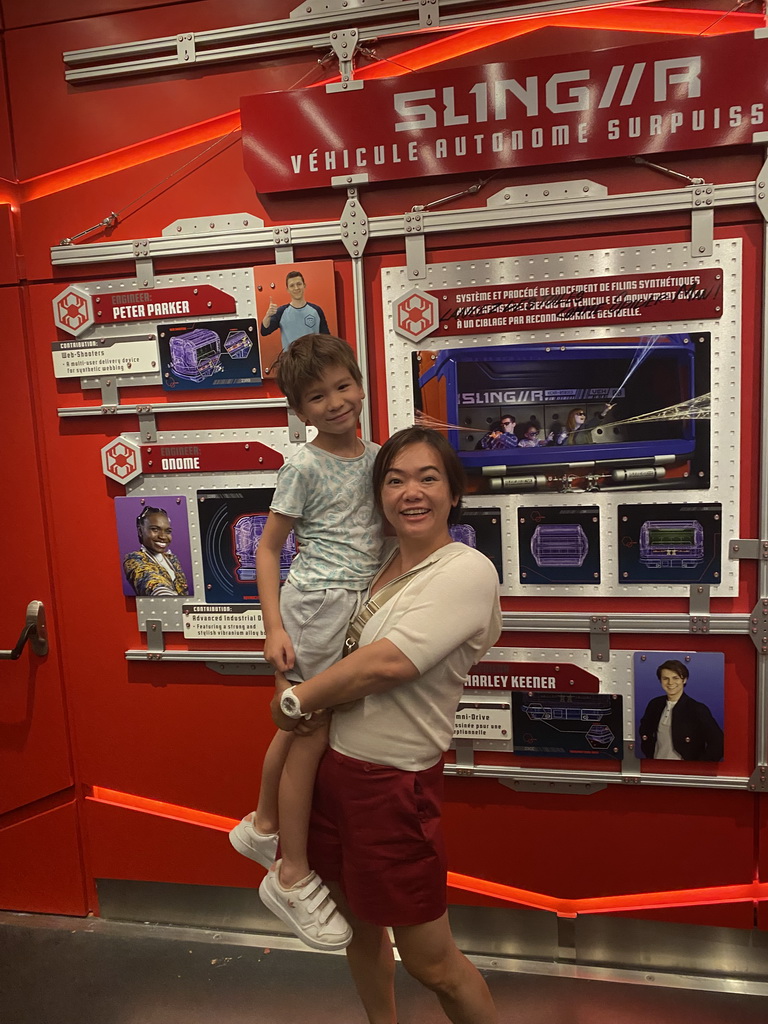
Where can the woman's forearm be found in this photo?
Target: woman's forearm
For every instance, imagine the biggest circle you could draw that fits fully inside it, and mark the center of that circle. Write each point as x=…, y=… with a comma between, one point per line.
x=375, y=668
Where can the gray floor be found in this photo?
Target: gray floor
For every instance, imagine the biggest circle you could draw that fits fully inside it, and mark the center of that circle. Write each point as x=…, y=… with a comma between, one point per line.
x=67, y=971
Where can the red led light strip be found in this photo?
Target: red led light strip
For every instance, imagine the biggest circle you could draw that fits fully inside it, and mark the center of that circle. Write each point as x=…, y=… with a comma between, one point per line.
x=662, y=20
x=754, y=892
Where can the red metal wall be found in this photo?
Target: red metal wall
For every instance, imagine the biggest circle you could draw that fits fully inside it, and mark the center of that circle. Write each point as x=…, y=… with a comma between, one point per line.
x=180, y=733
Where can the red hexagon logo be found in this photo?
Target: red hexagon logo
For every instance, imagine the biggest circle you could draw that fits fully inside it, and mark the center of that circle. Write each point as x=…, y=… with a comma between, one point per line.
x=415, y=314
x=72, y=310
x=121, y=460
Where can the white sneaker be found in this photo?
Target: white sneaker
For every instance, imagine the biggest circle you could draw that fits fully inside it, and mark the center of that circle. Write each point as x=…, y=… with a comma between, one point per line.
x=307, y=909
x=252, y=844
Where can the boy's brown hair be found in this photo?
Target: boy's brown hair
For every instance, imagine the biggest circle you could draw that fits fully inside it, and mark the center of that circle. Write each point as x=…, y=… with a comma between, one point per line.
x=307, y=358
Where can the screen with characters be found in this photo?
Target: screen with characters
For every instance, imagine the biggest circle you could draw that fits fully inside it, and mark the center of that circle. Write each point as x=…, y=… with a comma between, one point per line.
x=619, y=412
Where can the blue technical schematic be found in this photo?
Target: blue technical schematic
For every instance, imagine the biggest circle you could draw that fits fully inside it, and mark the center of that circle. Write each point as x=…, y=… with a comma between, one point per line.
x=559, y=544
x=583, y=725
x=231, y=523
x=247, y=532
x=667, y=544
x=195, y=355
x=481, y=528
x=670, y=543
x=238, y=345
x=209, y=354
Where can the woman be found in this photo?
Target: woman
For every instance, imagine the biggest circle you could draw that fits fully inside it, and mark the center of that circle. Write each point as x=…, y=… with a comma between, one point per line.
x=375, y=835
x=154, y=571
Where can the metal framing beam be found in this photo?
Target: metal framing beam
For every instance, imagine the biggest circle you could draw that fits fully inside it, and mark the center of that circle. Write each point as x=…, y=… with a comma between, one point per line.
x=307, y=31
x=433, y=222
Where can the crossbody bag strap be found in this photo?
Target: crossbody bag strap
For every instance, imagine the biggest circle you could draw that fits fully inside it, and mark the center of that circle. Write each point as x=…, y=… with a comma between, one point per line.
x=372, y=605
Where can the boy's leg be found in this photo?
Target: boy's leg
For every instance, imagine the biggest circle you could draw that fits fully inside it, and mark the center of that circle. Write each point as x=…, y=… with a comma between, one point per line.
x=255, y=836
x=430, y=955
x=297, y=784
x=266, y=817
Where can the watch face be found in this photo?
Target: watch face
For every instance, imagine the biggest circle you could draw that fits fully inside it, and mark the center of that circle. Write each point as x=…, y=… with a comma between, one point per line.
x=289, y=704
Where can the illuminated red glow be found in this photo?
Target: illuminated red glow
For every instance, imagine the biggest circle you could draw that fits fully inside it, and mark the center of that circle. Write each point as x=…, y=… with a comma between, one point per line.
x=161, y=809
x=614, y=16
x=630, y=18
x=753, y=892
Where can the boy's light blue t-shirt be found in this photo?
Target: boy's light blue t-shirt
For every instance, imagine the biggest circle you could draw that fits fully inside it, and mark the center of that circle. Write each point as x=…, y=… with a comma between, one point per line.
x=338, y=527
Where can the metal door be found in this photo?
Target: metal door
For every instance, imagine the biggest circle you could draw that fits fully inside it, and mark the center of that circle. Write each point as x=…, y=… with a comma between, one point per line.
x=40, y=859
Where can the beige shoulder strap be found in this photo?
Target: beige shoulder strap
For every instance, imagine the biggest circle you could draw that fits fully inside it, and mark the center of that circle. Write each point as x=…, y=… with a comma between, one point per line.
x=372, y=605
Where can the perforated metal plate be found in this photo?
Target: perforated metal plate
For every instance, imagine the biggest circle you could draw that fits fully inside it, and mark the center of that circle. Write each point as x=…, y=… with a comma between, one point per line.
x=168, y=610
x=725, y=377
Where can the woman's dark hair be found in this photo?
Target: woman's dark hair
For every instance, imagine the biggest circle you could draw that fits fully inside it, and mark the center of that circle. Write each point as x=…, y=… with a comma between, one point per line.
x=454, y=470
x=673, y=666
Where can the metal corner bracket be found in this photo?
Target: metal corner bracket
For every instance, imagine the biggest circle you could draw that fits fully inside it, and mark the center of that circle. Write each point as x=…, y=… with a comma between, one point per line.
x=415, y=246
x=758, y=626
x=599, y=638
x=354, y=225
x=758, y=782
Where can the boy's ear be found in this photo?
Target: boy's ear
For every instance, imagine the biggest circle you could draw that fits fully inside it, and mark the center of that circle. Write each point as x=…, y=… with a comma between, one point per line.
x=300, y=415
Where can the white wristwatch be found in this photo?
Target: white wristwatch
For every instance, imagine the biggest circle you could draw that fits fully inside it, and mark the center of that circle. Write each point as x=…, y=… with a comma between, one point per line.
x=289, y=704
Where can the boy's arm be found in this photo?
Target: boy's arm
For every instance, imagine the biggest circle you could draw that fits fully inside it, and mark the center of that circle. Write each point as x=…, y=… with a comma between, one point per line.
x=278, y=649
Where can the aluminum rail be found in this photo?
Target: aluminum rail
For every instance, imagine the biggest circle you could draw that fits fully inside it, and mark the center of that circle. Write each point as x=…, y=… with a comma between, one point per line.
x=157, y=408
x=761, y=701
x=434, y=222
x=552, y=622
x=559, y=776
x=215, y=46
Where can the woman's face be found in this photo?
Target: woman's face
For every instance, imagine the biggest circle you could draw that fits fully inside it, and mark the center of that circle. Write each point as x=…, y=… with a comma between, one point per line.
x=155, y=533
x=415, y=495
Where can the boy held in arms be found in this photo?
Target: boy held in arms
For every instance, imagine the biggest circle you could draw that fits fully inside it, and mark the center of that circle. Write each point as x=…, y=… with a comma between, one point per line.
x=324, y=494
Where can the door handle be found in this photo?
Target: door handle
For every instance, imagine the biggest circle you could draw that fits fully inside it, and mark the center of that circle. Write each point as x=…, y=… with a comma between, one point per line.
x=34, y=630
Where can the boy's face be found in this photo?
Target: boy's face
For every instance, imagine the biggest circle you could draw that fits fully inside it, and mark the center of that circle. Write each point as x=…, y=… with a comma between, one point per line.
x=332, y=403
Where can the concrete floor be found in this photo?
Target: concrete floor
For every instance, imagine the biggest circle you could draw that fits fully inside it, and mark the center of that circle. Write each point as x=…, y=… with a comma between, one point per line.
x=70, y=971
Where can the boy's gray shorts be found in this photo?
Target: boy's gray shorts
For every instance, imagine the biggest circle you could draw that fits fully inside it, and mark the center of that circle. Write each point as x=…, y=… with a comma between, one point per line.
x=316, y=621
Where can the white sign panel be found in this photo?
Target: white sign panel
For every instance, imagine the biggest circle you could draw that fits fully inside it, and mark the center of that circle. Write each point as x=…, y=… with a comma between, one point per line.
x=98, y=357
x=483, y=723
x=222, y=622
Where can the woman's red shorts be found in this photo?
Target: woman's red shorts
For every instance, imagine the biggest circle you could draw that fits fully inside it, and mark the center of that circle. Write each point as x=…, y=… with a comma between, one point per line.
x=376, y=830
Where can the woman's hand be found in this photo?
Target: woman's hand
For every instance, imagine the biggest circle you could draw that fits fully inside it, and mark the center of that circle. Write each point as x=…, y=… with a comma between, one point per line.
x=301, y=726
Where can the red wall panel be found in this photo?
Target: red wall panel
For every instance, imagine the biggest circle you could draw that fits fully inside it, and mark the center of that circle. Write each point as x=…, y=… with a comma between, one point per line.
x=41, y=864
x=78, y=121
x=183, y=734
x=34, y=751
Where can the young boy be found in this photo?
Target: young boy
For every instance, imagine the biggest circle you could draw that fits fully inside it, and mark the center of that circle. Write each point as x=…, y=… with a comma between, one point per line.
x=324, y=494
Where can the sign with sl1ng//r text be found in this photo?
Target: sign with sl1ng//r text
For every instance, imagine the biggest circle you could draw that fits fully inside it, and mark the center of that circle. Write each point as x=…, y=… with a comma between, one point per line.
x=691, y=93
